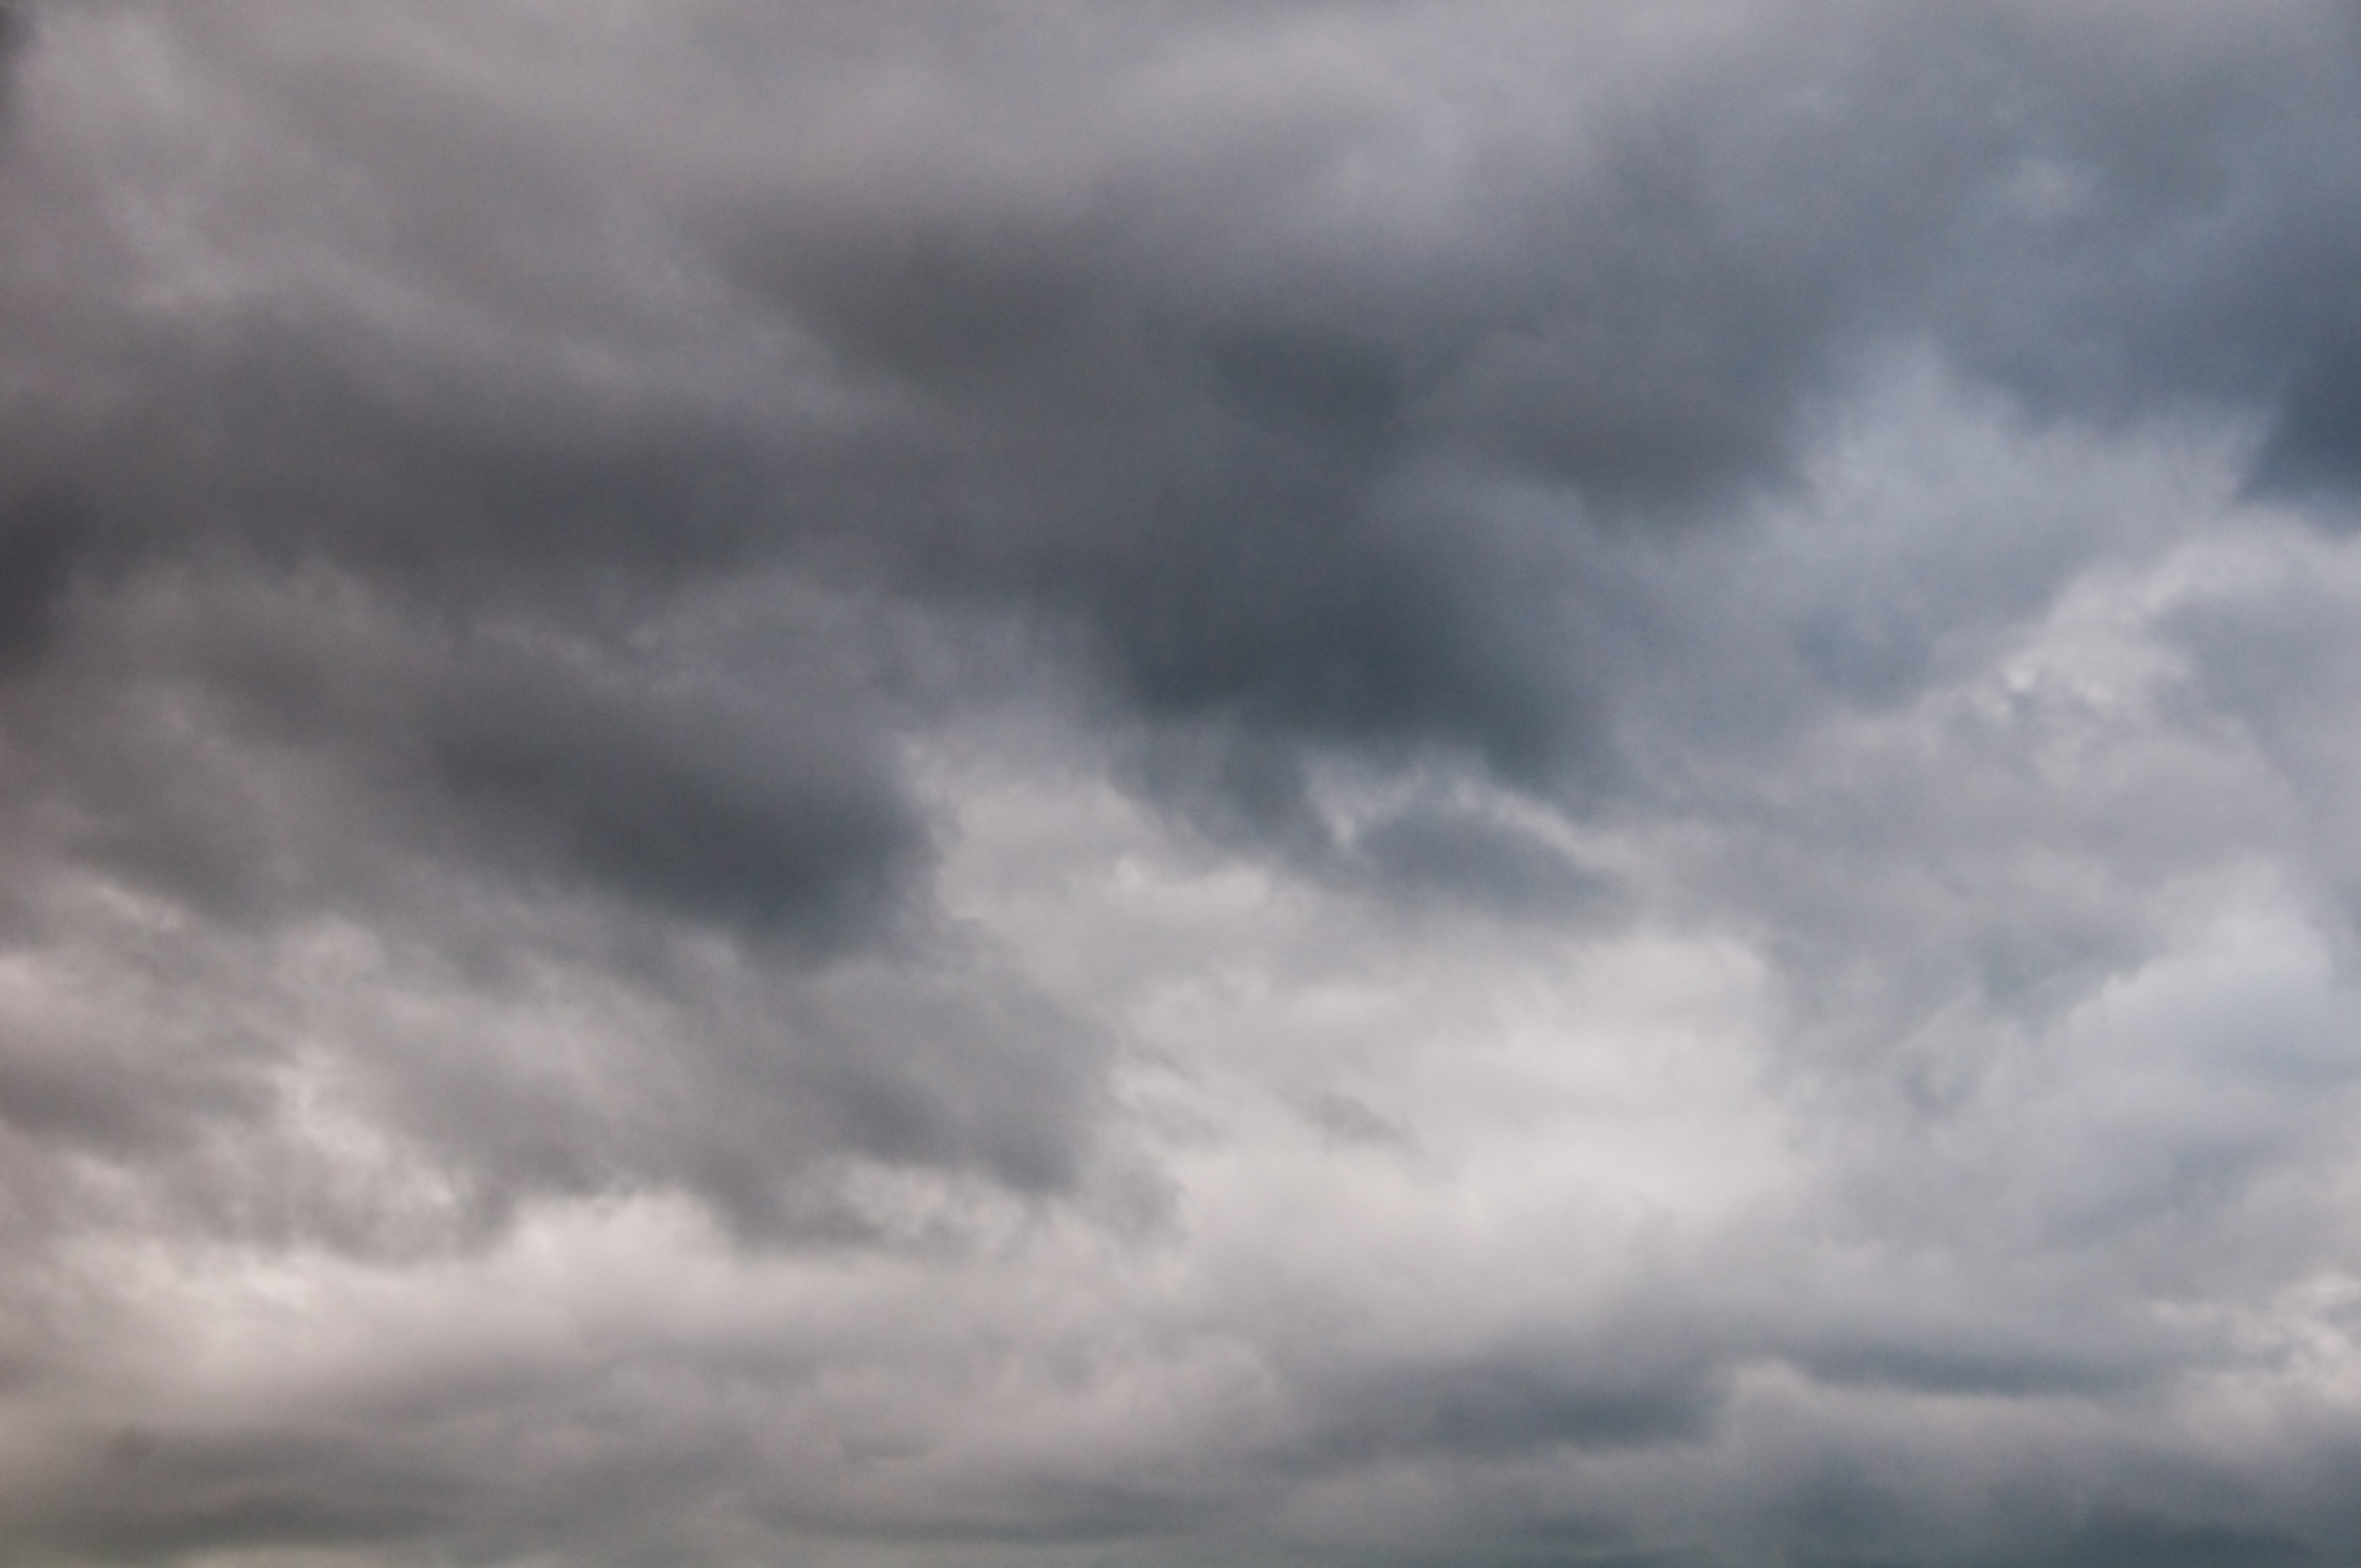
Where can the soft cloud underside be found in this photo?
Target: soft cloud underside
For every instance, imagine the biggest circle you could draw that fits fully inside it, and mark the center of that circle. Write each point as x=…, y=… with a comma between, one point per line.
x=1125, y=783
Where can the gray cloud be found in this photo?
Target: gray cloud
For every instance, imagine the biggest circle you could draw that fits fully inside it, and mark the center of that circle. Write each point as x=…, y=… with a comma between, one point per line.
x=1127, y=783
x=1514, y=1403
x=1184, y=395
x=36, y=561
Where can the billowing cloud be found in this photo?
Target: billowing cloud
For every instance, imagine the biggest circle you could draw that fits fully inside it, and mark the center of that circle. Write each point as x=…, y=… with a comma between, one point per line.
x=1125, y=783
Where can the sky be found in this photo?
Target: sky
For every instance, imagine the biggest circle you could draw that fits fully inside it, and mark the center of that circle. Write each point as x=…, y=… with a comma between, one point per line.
x=1146, y=785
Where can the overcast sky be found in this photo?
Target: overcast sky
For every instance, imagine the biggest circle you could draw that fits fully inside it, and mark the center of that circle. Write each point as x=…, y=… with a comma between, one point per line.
x=1148, y=784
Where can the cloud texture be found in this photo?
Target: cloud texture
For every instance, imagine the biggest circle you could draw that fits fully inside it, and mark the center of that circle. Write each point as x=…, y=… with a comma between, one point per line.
x=1131, y=783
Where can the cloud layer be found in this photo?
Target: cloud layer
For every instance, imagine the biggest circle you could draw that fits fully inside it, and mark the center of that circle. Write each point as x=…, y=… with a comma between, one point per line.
x=1129, y=783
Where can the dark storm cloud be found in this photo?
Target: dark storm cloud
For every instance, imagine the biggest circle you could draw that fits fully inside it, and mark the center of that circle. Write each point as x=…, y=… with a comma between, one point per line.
x=38, y=540
x=1517, y=1403
x=508, y=749
x=2313, y=446
x=666, y=816
x=1239, y=426
x=14, y=30
x=1248, y=438
x=2123, y=1540
x=1948, y=1363
x=1217, y=481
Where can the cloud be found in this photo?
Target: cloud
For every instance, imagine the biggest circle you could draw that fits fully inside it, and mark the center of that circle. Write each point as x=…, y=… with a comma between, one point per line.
x=1126, y=783
x=35, y=560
